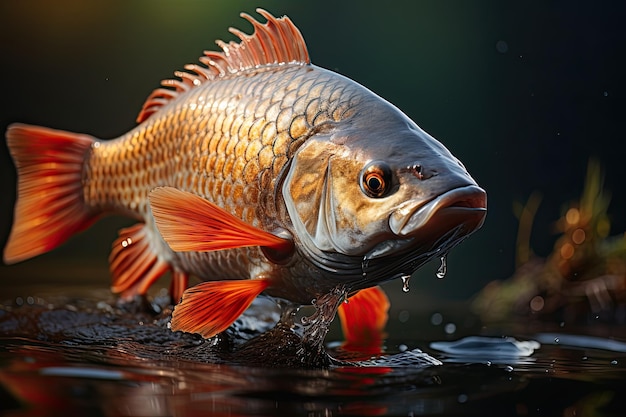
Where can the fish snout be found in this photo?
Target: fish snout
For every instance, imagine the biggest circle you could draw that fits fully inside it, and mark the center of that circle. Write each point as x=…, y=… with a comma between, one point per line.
x=464, y=207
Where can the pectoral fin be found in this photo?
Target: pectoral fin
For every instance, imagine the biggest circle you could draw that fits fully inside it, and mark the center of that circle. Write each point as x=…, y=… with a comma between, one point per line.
x=210, y=307
x=188, y=222
x=363, y=320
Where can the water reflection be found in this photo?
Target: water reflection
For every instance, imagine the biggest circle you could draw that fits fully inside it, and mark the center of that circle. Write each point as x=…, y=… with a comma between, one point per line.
x=87, y=357
x=46, y=383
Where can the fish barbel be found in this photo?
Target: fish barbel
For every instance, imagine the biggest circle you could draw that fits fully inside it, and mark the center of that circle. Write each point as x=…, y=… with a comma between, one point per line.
x=257, y=172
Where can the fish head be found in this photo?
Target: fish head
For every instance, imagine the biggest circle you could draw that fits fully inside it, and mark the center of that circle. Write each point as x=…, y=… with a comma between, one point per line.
x=389, y=194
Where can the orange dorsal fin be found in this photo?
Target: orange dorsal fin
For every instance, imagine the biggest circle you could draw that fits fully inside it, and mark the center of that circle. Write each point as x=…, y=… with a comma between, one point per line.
x=278, y=41
x=50, y=206
x=210, y=307
x=188, y=222
x=363, y=320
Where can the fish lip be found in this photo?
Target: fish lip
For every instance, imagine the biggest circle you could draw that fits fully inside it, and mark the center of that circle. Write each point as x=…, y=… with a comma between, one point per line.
x=463, y=205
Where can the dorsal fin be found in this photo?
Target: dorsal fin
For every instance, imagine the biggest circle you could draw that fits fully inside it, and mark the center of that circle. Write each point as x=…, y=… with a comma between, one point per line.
x=278, y=41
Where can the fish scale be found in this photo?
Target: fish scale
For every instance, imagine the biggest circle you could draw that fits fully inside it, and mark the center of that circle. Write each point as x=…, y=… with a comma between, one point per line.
x=222, y=143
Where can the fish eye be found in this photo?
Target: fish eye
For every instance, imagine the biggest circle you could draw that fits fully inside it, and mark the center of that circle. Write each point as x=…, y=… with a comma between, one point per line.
x=376, y=179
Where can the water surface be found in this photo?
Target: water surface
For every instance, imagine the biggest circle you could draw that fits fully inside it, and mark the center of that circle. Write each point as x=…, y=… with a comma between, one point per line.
x=83, y=354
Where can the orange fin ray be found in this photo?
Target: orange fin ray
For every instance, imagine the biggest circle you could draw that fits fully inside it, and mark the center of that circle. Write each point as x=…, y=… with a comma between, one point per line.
x=210, y=307
x=363, y=320
x=134, y=264
x=278, y=41
x=180, y=281
x=49, y=206
x=188, y=222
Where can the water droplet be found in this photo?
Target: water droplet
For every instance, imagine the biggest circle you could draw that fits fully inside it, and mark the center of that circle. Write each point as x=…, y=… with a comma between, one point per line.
x=403, y=348
x=556, y=340
x=364, y=265
x=502, y=47
x=613, y=362
x=443, y=268
x=404, y=316
x=462, y=398
x=405, y=282
x=508, y=368
x=449, y=328
x=436, y=319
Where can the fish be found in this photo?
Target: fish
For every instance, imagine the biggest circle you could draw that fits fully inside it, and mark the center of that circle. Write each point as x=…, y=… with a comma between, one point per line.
x=260, y=173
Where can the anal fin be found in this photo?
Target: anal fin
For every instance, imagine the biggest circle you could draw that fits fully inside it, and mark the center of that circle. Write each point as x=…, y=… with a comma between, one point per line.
x=363, y=320
x=210, y=307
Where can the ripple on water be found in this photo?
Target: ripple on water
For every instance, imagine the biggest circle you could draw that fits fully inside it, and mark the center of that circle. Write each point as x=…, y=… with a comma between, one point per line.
x=98, y=359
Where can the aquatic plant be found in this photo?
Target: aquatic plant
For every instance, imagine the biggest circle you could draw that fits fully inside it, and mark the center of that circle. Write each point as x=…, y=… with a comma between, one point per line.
x=584, y=277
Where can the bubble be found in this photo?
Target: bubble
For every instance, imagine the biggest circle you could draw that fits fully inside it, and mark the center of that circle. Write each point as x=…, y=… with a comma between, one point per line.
x=572, y=216
x=403, y=316
x=508, y=368
x=567, y=251
x=403, y=348
x=502, y=47
x=436, y=319
x=462, y=398
x=537, y=303
x=450, y=328
x=578, y=236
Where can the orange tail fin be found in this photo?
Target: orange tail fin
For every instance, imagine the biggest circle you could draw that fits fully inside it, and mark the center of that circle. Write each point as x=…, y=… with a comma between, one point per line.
x=49, y=207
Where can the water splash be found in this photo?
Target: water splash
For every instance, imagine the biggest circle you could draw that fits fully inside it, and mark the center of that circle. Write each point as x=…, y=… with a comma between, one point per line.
x=405, y=283
x=316, y=325
x=443, y=268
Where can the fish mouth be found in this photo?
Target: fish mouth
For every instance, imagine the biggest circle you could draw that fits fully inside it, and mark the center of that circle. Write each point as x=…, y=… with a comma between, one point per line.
x=464, y=207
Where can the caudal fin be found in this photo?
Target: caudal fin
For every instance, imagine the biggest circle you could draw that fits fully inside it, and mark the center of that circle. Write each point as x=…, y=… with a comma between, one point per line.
x=49, y=206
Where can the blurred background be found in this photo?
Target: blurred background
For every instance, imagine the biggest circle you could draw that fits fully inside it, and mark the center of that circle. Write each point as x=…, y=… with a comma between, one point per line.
x=524, y=93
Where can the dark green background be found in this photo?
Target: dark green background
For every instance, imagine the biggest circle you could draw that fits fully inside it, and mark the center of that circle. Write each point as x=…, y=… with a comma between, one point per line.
x=522, y=118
